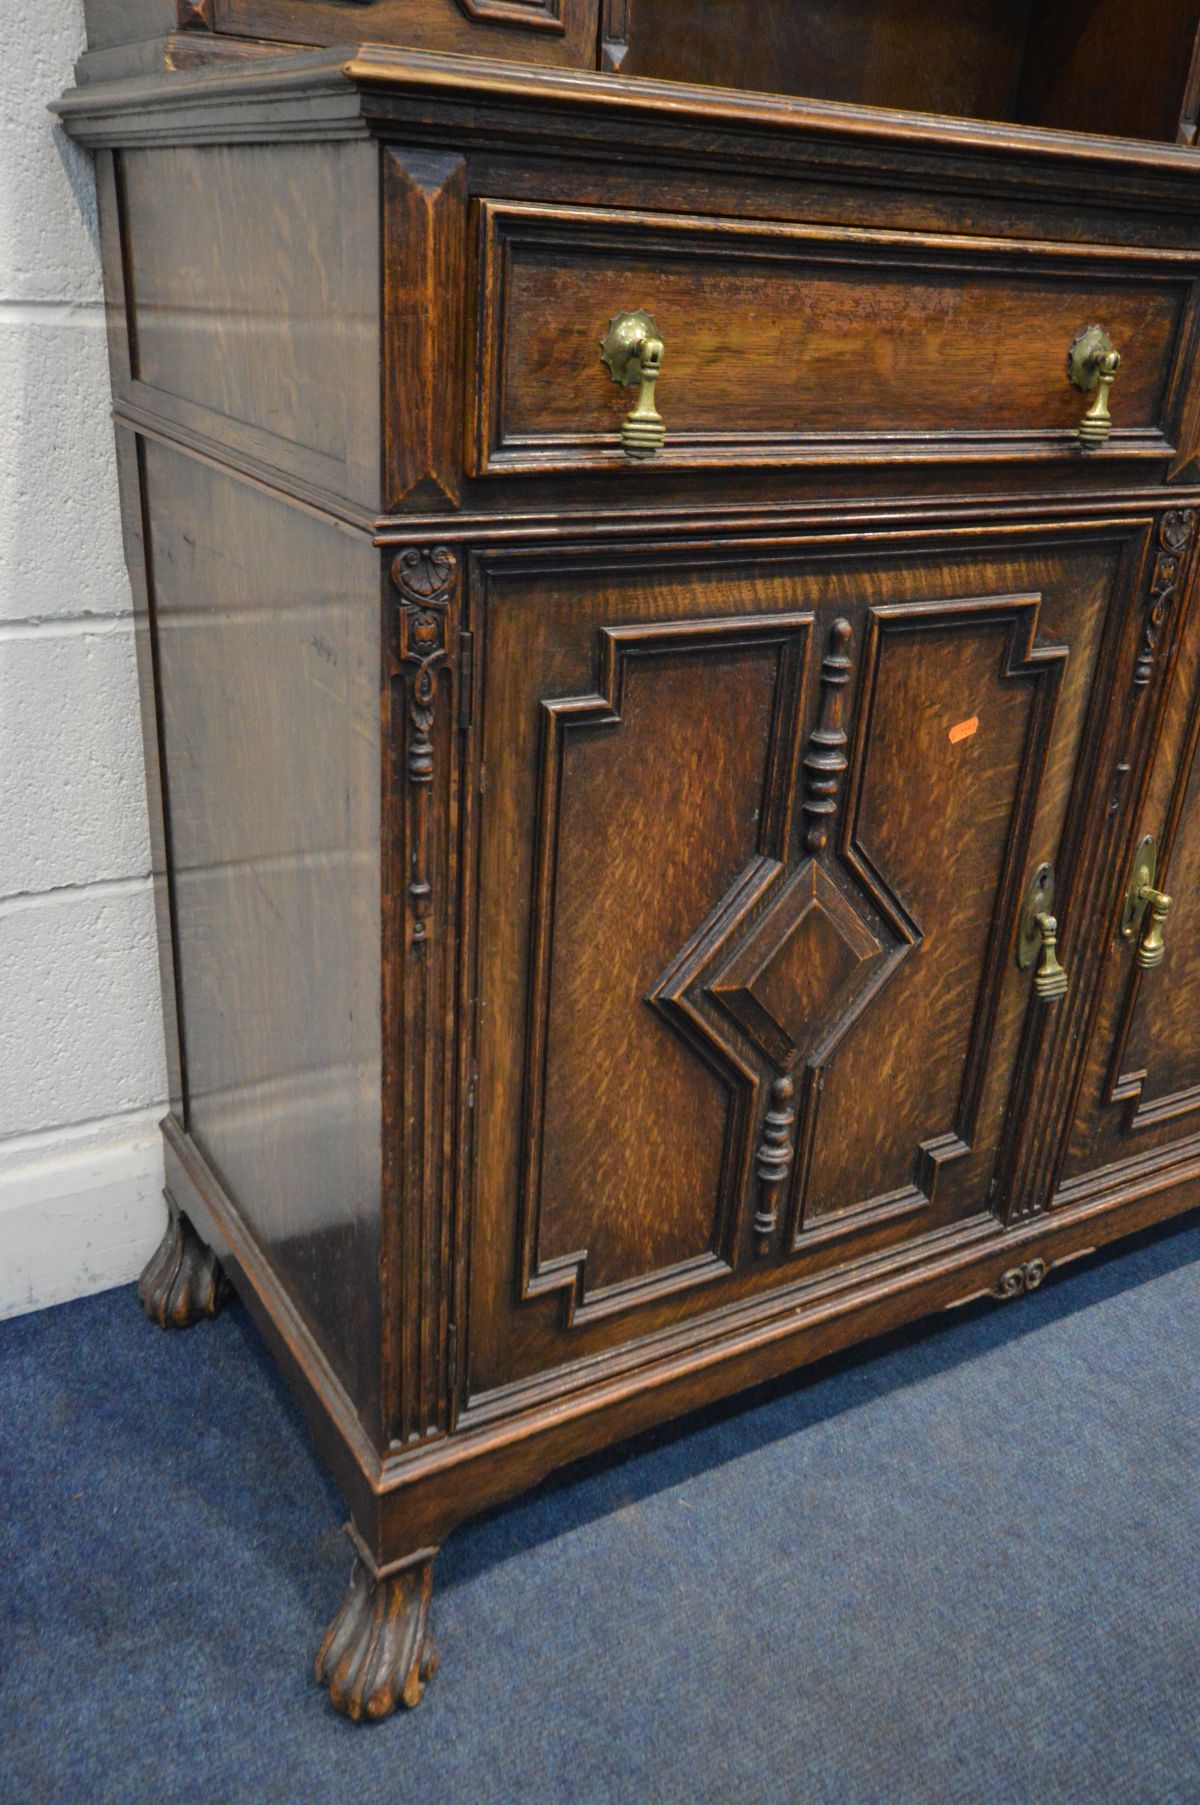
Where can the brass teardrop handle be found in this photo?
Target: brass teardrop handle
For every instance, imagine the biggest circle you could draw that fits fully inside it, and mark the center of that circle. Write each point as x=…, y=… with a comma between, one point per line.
x=1092, y=363
x=632, y=353
x=1145, y=908
x=1038, y=937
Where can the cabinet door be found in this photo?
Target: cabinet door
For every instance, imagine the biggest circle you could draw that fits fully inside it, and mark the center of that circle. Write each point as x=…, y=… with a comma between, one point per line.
x=752, y=829
x=1138, y=1120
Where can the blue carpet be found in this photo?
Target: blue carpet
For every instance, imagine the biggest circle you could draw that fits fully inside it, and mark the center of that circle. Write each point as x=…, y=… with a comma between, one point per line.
x=965, y=1567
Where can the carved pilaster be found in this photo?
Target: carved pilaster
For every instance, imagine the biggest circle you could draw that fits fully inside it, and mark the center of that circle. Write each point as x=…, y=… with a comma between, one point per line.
x=825, y=761
x=427, y=646
x=1175, y=531
x=425, y=577
x=773, y=1161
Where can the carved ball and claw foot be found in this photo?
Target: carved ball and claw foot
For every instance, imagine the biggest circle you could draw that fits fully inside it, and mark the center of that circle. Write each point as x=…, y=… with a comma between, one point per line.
x=183, y=1282
x=378, y=1651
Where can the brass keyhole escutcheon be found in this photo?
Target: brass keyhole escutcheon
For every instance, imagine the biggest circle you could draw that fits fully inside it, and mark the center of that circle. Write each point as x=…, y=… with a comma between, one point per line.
x=632, y=353
x=1141, y=899
x=1092, y=363
x=1037, y=936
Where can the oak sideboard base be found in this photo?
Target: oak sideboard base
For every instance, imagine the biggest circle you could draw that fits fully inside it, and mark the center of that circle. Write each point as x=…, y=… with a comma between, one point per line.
x=647, y=900
x=404, y=1501
x=378, y=1651
x=182, y=1283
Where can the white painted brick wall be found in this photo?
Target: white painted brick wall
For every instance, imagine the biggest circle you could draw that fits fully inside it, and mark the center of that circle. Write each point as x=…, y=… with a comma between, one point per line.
x=81, y=1058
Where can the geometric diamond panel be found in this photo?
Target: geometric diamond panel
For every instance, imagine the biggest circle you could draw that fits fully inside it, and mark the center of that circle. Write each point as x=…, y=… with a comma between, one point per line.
x=802, y=964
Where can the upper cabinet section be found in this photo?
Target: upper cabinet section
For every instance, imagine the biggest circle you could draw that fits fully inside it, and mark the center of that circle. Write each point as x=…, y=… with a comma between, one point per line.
x=1113, y=67
x=1120, y=67
x=139, y=35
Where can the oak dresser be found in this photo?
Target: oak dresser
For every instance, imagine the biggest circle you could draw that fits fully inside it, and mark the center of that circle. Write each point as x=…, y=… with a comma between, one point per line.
x=664, y=539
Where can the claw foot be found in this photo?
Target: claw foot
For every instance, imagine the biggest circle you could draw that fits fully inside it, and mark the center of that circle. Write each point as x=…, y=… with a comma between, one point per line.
x=183, y=1282
x=378, y=1651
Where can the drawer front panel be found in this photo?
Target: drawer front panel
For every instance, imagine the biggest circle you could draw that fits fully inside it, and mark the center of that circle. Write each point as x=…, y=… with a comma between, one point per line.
x=791, y=345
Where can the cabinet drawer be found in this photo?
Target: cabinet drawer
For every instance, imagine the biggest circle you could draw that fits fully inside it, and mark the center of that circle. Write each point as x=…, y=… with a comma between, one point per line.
x=791, y=345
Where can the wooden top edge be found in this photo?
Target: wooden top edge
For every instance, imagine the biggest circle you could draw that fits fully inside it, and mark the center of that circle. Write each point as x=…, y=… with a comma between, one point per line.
x=379, y=66
x=297, y=71
x=355, y=71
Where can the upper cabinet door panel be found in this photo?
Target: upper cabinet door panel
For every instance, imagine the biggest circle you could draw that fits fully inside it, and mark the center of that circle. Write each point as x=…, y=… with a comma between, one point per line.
x=796, y=345
x=752, y=833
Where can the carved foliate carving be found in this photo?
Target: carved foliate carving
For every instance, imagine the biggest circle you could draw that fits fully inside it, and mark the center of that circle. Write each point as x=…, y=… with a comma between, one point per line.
x=1175, y=532
x=425, y=577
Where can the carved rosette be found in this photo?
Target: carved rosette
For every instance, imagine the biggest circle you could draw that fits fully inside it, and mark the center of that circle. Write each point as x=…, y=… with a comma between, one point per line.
x=1175, y=532
x=425, y=578
x=183, y=1281
x=378, y=1652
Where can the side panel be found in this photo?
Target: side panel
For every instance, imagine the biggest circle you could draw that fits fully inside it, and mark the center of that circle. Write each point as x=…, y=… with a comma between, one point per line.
x=251, y=276
x=264, y=630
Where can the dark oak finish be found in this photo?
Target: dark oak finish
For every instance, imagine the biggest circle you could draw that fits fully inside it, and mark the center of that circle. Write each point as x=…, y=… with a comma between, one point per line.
x=590, y=891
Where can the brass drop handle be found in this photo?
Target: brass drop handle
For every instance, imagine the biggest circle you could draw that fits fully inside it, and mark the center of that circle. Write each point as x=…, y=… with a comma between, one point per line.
x=1049, y=980
x=1038, y=937
x=632, y=353
x=1146, y=908
x=1152, y=951
x=1092, y=363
